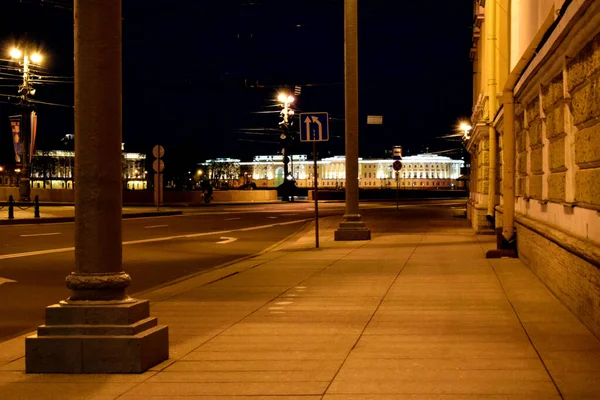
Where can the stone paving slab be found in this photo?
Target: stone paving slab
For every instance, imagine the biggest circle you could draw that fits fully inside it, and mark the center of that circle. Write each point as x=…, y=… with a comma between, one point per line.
x=416, y=316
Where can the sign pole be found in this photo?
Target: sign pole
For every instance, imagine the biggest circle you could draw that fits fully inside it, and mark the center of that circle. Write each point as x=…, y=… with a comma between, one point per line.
x=158, y=165
x=314, y=127
x=316, y=194
x=158, y=185
x=397, y=180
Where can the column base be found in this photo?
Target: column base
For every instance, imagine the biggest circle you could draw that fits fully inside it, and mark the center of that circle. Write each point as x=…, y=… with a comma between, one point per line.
x=87, y=337
x=352, y=228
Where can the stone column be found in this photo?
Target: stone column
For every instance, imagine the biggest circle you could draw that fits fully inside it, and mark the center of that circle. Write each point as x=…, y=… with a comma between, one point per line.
x=99, y=329
x=351, y=228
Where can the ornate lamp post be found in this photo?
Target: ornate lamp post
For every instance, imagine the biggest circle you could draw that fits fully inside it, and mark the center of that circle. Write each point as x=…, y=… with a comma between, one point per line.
x=25, y=59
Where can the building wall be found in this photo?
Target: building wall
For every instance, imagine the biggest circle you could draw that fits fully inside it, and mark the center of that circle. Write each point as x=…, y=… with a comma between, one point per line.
x=490, y=56
x=425, y=171
x=557, y=143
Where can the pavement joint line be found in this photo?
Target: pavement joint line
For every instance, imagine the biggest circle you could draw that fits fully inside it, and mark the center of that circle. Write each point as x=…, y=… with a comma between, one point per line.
x=41, y=234
x=512, y=306
x=155, y=226
x=153, y=240
x=374, y=311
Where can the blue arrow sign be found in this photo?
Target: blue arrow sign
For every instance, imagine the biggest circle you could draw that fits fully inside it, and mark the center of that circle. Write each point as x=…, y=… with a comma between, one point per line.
x=314, y=127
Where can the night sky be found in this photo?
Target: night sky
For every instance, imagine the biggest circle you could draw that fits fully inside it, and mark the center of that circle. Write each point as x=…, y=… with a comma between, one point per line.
x=200, y=74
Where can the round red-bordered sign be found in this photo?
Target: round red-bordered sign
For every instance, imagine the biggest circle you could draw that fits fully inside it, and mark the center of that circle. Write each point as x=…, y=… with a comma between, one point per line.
x=397, y=165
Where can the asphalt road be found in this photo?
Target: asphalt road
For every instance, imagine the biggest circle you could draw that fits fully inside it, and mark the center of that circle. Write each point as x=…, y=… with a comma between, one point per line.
x=155, y=251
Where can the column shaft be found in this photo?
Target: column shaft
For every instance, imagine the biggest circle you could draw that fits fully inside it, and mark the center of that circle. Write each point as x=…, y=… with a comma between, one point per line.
x=98, y=188
x=351, y=67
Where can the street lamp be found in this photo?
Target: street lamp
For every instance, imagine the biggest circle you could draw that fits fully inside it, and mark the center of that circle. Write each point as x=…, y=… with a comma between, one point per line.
x=26, y=89
x=286, y=139
x=465, y=128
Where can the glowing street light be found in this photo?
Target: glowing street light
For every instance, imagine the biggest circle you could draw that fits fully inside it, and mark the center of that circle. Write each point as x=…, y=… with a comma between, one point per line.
x=465, y=128
x=15, y=53
x=36, y=58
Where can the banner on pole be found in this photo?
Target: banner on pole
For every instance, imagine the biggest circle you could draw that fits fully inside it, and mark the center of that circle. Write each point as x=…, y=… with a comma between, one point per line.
x=33, y=135
x=15, y=128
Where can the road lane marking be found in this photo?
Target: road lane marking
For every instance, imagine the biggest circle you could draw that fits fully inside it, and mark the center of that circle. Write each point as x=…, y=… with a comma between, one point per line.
x=41, y=234
x=283, y=303
x=5, y=280
x=272, y=217
x=155, y=226
x=225, y=240
x=161, y=239
x=232, y=219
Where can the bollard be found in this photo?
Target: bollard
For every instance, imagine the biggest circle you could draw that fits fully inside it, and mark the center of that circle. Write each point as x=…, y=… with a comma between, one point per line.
x=36, y=208
x=11, y=207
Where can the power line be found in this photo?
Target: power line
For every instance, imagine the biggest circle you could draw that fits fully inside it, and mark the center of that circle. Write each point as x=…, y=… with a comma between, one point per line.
x=50, y=104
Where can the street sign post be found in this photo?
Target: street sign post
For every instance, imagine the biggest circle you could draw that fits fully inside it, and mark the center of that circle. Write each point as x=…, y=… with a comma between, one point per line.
x=314, y=127
x=158, y=166
x=397, y=166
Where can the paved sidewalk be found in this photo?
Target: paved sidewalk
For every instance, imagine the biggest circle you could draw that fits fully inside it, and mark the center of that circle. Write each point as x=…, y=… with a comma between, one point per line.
x=415, y=314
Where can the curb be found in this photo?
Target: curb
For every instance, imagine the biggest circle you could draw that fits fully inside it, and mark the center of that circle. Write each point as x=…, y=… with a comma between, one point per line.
x=56, y=220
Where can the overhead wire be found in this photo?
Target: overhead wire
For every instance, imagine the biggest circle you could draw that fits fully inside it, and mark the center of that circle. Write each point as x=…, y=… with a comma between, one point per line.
x=51, y=104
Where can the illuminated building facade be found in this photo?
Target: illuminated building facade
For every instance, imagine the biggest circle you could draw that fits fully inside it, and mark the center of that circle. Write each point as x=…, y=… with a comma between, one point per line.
x=55, y=169
x=424, y=171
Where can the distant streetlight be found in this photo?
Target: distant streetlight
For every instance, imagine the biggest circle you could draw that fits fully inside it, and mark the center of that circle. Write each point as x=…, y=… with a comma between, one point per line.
x=286, y=137
x=199, y=172
x=25, y=89
x=15, y=53
x=465, y=128
x=36, y=58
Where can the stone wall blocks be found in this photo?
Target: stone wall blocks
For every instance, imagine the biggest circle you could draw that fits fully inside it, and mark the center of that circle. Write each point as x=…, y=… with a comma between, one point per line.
x=533, y=109
x=557, y=186
x=585, y=104
x=555, y=122
x=587, y=186
x=556, y=155
x=535, y=132
x=585, y=64
x=535, y=186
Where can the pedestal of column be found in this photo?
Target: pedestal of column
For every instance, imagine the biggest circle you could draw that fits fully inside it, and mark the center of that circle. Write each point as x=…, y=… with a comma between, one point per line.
x=97, y=337
x=352, y=228
x=99, y=329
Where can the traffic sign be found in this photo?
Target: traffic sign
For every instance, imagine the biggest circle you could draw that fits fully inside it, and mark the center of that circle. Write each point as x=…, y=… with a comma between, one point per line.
x=397, y=153
x=158, y=165
x=314, y=127
x=397, y=165
x=158, y=151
